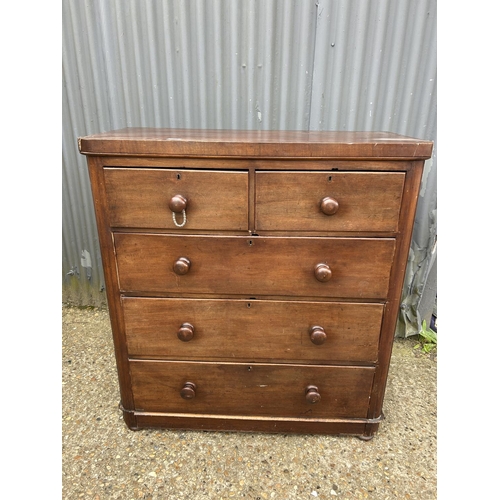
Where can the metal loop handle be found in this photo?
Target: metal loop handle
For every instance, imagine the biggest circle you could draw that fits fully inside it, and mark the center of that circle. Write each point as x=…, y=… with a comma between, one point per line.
x=184, y=219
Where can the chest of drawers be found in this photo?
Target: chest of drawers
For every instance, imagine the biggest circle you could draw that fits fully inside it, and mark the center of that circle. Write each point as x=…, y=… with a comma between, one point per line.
x=254, y=278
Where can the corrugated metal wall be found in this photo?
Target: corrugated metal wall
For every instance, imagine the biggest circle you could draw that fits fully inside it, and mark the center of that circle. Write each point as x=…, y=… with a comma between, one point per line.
x=266, y=64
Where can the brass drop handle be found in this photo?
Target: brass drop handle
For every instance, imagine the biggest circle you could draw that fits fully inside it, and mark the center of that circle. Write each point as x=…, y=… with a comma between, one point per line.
x=329, y=206
x=185, y=332
x=182, y=265
x=322, y=272
x=312, y=394
x=177, y=203
x=317, y=335
x=188, y=391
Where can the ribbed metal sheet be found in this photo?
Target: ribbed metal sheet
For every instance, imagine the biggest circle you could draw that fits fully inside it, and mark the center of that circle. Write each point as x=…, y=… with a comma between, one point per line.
x=268, y=64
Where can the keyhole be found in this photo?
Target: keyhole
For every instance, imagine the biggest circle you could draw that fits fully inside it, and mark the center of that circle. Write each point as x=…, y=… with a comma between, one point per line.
x=330, y=178
x=178, y=177
x=250, y=242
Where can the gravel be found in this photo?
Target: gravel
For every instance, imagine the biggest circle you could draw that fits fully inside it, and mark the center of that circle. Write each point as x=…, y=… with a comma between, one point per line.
x=102, y=459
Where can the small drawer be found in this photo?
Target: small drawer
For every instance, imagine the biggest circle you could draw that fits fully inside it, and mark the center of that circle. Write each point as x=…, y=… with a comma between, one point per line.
x=328, y=201
x=251, y=389
x=140, y=198
x=252, y=330
x=255, y=266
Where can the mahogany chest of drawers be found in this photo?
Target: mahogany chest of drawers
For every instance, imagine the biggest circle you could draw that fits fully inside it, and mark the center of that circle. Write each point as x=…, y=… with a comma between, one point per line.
x=254, y=278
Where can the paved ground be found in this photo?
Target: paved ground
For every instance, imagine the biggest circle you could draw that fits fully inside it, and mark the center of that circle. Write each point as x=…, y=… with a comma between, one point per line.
x=103, y=460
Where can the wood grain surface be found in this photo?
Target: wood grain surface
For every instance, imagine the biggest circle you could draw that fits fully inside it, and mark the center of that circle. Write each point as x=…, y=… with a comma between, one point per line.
x=252, y=330
x=254, y=265
x=368, y=201
x=254, y=143
x=251, y=389
x=139, y=198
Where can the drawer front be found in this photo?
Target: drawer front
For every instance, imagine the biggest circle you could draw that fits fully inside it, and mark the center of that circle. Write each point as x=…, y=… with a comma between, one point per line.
x=139, y=198
x=201, y=329
x=251, y=389
x=292, y=201
x=251, y=266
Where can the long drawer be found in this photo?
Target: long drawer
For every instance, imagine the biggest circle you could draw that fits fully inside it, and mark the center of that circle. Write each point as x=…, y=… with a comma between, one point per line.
x=256, y=330
x=273, y=266
x=251, y=389
x=139, y=198
x=328, y=201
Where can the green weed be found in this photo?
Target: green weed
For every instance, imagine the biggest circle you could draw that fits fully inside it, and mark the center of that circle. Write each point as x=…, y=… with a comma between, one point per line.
x=427, y=339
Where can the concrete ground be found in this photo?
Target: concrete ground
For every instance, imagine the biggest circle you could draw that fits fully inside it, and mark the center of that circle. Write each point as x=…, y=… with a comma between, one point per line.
x=102, y=459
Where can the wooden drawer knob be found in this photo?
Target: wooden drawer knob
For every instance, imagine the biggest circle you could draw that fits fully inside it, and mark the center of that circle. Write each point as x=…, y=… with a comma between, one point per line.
x=312, y=394
x=188, y=391
x=182, y=265
x=329, y=206
x=322, y=272
x=186, y=332
x=317, y=335
x=177, y=203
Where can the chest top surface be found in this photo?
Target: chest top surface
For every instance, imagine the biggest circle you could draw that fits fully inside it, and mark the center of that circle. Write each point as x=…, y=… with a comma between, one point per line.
x=255, y=143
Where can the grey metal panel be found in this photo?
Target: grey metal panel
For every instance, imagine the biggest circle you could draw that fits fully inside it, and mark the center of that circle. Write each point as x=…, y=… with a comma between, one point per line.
x=375, y=66
x=207, y=64
x=262, y=64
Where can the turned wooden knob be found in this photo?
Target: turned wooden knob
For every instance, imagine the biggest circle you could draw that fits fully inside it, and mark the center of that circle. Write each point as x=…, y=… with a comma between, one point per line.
x=185, y=332
x=182, y=265
x=317, y=335
x=177, y=203
x=322, y=272
x=312, y=394
x=188, y=391
x=329, y=205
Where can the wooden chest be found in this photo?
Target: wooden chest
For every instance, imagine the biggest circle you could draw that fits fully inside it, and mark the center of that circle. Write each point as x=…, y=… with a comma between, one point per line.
x=254, y=278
